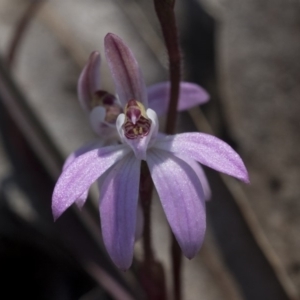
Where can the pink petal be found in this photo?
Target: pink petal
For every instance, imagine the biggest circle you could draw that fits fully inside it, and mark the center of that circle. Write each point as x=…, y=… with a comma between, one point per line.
x=125, y=71
x=182, y=199
x=89, y=81
x=82, y=150
x=191, y=95
x=201, y=175
x=118, y=210
x=139, y=214
x=82, y=199
x=208, y=150
x=77, y=178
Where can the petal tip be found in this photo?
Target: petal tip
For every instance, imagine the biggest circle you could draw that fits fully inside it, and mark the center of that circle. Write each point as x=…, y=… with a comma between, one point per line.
x=244, y=175
x=56, y=211
x=111, y=37
x=94, y=54
x=89, y=81
x=191, y=252
x=55, y=215
x=58, y=207
x=246, y=179
x=122, y=265
x=94, y=58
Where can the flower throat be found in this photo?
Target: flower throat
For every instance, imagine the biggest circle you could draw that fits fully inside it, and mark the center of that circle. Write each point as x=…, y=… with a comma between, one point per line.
x=136, y=124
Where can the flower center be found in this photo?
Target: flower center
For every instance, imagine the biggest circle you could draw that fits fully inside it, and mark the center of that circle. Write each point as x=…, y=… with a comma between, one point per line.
x=136, y=124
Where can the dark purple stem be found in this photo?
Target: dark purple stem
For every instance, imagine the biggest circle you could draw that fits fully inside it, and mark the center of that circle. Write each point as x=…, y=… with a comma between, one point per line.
x=165, y=12
x=20, y=29
x=146, y=187
x=166, y=15
x=151, y=271
x=176, y=262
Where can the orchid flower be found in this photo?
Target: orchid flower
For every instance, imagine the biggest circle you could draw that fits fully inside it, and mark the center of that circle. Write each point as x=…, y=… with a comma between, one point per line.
x=172, y=162
x=103, y=109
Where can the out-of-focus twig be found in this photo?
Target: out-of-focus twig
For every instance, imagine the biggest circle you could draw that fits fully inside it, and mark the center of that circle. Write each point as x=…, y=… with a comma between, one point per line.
x=29, y=124
x=107, y=282
x=51, y=18
x=211, y=258
x=20, y=30
x=137, y=16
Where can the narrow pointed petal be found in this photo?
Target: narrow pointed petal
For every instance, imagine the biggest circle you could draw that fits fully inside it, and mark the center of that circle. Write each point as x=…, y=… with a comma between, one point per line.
x=118, y=210
x=201, y=175
x=190, y=95
x=82, y=150
x=89, y=81
x=82, y=199
x=78, y=176
x=208, y=150
x=125, y=71
x=182, y=198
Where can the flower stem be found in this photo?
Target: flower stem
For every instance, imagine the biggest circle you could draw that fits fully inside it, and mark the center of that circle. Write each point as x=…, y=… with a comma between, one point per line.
x=151, y=271
x=146, y=188
x=165, y=12
x=176, y=262
x=166, y=15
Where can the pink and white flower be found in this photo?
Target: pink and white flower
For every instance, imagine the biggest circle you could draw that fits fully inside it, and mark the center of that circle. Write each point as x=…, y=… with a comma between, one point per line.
x=172, y=161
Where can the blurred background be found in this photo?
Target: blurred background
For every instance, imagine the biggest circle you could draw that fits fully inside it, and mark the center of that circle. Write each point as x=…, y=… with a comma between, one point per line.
x=247, y=55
